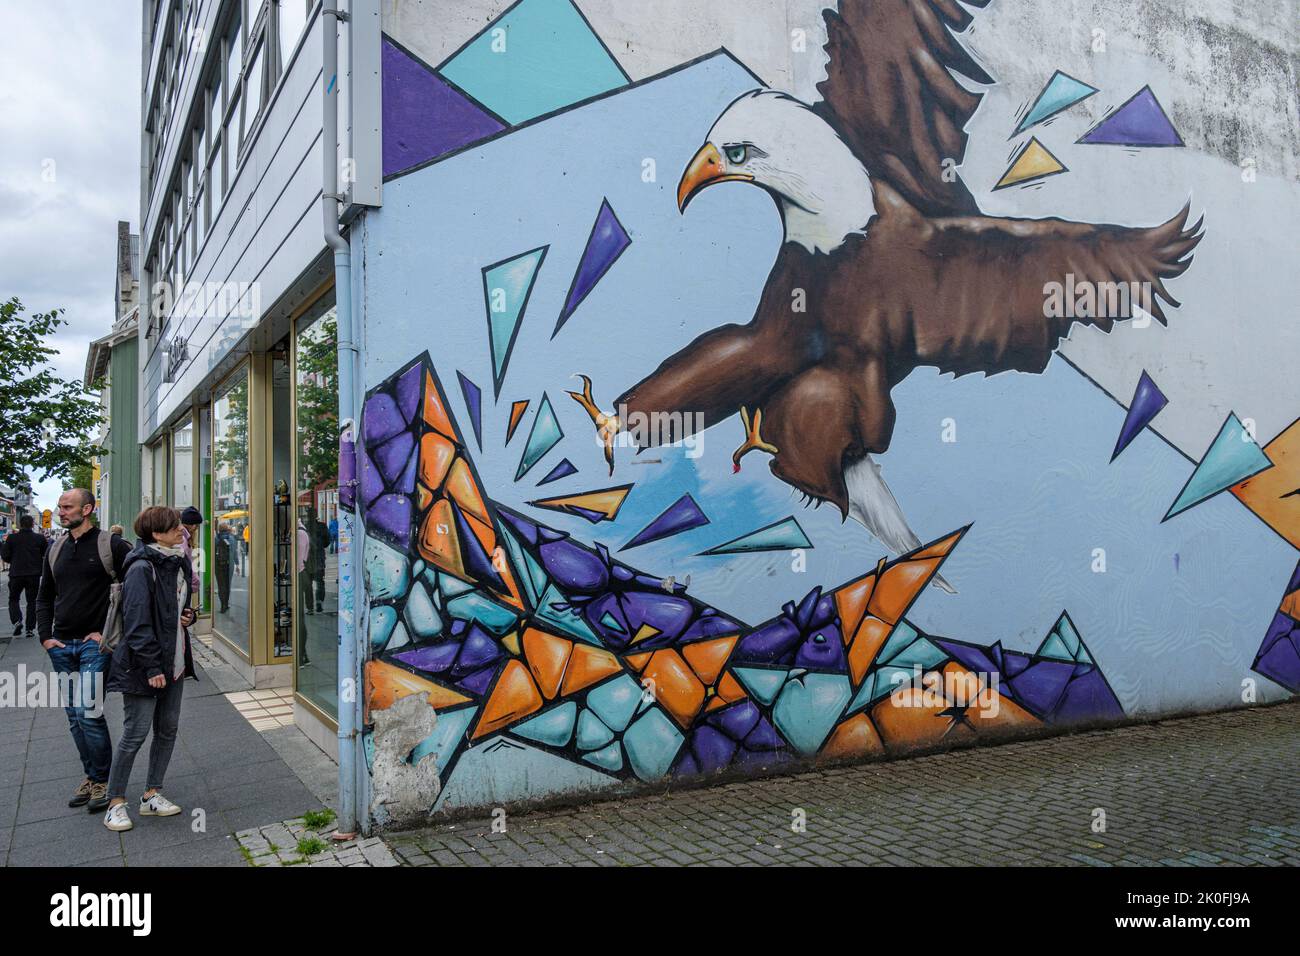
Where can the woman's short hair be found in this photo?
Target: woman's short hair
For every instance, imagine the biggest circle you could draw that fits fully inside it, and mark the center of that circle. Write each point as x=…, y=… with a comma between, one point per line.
x=156, y=520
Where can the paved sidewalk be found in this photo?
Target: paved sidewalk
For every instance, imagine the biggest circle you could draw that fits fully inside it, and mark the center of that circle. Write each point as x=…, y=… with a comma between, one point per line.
x=1215, y=790
x=238, y=777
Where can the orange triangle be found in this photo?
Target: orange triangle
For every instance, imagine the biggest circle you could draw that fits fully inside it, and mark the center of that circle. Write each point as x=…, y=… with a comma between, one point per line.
x=587, y=665
x=517, y=410
x=386, y=684
x=851, y=603
x=856, y=737
x=436, y=456
x=434, y=414
x=638, y=660
x=707, y=658
x=940, y=549
x=899, y=586
x=870, y=638
x=514, y=697
x=606, y=501
x=729, y=689
x=676, y=688
x=438, y=541
x=462, y=490
x=547, y=655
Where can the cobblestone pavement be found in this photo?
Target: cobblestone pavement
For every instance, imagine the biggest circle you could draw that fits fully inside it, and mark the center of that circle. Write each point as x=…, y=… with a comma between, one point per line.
x=299, y=843
x=1212, y=790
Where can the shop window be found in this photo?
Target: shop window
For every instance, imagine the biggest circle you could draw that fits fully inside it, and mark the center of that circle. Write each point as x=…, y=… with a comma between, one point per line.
x=231, y=506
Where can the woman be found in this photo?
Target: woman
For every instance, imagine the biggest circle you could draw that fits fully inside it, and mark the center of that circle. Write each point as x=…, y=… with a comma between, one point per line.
x=152, y=660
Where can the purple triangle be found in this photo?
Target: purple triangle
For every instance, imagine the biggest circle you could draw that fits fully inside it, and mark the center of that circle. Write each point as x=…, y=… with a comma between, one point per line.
x=682, y=515
x=1041, y=685
x=563, y=470
x=1147, y=402
x=474, y=402
x=1138, y=122
x=476, y=560
x=1087, y=698
x=424, y=116
x=606, y=243
x=595, y=517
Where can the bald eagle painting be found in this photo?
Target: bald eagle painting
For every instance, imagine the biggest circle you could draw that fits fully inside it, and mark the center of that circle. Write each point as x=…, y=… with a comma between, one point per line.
x=887, y=263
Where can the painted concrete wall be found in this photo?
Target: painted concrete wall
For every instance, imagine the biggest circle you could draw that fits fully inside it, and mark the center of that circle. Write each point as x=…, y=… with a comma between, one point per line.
x=1022, y=521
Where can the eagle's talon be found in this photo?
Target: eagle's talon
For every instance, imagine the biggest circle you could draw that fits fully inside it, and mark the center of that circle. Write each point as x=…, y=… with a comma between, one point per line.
x=753, y=438
x=607, y=426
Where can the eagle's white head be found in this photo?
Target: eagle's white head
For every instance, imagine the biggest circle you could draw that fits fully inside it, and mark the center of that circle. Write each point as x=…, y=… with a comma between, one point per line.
x=774, y=141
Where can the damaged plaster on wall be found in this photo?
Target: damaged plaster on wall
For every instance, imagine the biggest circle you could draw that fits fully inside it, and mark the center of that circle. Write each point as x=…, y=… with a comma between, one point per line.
x=403, y=792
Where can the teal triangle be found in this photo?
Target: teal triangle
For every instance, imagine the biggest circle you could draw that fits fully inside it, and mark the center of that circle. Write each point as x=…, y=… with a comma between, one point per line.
x=1060, y=93
x=784, y=535
x=1054, y=647
x=615, y=701
x=651, y=744
x=446, y=735
x=506, y=288
x=554, y=727
x=453, y=586
x=544, y=435
x=611, y=622
x=762, y=684
x=525, y=568
x=1233, y=457
x=920, y=653
x=570, y=622
x=492, y=775
x=902, y=635
x=880, y=683
x=592, y=734
x=538, y=57
x=473, y=606
x=610, y=758
x=809, y=707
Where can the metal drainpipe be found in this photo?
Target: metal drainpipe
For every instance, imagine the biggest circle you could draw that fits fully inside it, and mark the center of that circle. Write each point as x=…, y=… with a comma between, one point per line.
x=350, y=685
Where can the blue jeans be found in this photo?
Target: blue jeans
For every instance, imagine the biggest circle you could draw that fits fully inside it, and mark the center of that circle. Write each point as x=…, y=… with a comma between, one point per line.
x=82, y=657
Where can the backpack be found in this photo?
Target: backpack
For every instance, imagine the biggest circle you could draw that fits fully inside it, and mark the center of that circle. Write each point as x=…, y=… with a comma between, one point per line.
x=112, y=629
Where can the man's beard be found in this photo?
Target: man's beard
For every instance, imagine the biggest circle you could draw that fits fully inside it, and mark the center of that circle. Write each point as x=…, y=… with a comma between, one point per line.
x=72, y=523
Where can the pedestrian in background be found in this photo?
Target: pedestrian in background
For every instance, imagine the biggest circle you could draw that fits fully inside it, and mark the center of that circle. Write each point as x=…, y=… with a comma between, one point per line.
x=24, y=551
x=225, y=548
x=71, y=608
x=191, y=519
x=117, y=531
x=152, y=661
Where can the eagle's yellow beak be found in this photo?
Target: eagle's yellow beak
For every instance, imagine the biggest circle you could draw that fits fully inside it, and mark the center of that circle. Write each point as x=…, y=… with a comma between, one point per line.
x=705, y=169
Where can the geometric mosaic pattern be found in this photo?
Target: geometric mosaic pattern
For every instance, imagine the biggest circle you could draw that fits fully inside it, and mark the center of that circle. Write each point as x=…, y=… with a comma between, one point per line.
x=519, y=633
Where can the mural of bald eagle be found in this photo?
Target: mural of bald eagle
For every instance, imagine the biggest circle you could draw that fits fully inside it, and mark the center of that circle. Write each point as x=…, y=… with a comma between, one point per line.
x=897, y=266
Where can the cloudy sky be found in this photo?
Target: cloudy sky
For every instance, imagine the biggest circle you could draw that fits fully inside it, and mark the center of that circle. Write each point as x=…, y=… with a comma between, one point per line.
x=69, y=162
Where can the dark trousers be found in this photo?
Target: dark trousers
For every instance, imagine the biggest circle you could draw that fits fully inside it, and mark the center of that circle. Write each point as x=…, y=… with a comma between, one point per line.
x=90, y=733
x=17, y=585
x=223, y=586
x=142, y=712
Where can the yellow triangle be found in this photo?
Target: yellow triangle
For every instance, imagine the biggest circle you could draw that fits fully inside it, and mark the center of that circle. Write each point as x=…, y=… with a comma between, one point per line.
x=1033, y=162
x=645, y=632
x=511, y=643
x=606, y=501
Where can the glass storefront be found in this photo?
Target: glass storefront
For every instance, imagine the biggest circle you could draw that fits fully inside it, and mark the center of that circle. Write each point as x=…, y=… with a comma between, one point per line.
x=231, y=507
x=183, y=465
x=316, y=506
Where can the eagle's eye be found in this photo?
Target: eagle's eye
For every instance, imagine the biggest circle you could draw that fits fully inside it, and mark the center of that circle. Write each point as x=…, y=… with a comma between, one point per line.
x=737, y=154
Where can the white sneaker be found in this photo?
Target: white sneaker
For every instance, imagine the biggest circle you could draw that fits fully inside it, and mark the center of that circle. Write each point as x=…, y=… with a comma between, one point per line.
x=158, y=806
x=117, y=818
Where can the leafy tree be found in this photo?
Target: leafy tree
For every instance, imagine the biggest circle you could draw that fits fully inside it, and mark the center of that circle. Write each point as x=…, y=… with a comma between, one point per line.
x=45, y=421
x=318, y=417
x=82, y=475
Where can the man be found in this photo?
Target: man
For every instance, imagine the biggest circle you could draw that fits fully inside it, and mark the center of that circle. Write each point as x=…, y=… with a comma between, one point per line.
x=24, y=551
x=71, y=608
x=225, y=548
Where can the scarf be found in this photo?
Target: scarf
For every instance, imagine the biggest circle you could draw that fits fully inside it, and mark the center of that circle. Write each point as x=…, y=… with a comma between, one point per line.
x=178, y=656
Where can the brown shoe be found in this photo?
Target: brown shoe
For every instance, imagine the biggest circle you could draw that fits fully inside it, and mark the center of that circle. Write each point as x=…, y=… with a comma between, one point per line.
x=81, y=796
x=98, y=797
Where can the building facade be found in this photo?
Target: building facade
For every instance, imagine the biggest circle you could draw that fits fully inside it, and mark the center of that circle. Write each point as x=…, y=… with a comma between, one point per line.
x=616, y=422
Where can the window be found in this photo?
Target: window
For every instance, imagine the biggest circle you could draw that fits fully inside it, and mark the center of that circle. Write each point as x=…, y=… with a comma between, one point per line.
x=230, y=510
x=292, y=19
x=182, y=466
x=316, y=397
x=234, y=53
x=253, y=89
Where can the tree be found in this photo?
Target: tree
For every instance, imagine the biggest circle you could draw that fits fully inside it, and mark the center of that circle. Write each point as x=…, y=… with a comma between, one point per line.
x=82, y=475
x=45, y=421
x=318, y=403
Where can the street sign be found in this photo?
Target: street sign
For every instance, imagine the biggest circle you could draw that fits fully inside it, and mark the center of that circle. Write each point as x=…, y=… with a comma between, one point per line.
x=46, y=515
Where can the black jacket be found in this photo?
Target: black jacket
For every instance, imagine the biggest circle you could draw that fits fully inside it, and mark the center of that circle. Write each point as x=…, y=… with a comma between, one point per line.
x=150, y=614
x=24, y=551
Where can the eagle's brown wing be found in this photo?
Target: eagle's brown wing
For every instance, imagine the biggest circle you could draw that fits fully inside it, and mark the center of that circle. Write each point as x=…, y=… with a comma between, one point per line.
x=982, y=294
x=889, y=93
